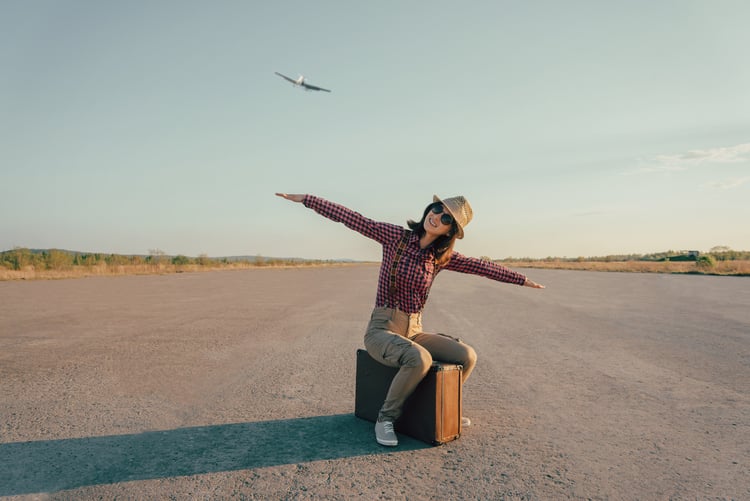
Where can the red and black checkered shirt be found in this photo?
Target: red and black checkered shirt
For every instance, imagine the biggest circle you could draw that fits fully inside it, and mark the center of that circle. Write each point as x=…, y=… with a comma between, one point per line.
x=417, y=267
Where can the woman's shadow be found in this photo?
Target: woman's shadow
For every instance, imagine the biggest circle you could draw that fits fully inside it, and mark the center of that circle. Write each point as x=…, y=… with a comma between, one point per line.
x=54, y=465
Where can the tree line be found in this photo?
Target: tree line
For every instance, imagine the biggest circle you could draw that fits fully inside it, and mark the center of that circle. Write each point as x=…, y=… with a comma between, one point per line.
x=53, y=259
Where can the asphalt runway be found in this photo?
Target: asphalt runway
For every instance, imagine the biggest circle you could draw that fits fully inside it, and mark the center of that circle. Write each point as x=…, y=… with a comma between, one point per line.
x=240, y=384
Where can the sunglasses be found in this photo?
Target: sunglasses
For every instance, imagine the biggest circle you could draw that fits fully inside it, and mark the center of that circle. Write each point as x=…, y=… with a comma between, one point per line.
x=446, y=218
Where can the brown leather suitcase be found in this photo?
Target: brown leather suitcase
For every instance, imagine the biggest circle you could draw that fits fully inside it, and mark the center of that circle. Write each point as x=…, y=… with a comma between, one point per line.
x=432, y=413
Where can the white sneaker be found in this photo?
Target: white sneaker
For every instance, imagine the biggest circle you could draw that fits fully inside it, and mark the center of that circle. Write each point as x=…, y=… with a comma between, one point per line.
x=465, y=422
x=384, y=433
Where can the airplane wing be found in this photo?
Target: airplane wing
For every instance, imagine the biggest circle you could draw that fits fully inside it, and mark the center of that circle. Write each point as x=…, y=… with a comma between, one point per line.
x=286, y=78
x=313, y=87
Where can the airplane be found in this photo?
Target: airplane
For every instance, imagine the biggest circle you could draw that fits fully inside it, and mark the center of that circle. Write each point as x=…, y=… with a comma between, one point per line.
x=300, y=82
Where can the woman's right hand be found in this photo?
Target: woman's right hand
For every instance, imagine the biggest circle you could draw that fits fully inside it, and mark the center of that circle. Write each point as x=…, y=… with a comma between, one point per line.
x=293, y=198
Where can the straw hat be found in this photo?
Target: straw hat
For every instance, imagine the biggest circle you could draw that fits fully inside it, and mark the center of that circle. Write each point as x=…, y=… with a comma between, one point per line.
x=459, y=208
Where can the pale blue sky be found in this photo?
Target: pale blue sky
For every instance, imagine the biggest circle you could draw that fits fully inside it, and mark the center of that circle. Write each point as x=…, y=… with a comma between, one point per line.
x=575, y=128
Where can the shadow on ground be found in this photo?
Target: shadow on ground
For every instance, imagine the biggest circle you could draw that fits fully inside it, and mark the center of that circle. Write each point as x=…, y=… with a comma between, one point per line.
x=54, y=465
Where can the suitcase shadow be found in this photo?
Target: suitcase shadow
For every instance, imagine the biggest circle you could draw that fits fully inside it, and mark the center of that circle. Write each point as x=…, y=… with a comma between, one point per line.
x=54, y=465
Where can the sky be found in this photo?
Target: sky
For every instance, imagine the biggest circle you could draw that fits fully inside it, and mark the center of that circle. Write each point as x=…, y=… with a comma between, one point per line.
x=577, y=128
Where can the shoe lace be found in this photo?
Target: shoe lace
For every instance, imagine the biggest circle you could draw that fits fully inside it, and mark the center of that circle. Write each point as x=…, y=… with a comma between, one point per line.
x=388, y=426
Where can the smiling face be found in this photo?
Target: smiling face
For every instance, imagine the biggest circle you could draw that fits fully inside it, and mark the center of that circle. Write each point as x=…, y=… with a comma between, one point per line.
x=437, y=222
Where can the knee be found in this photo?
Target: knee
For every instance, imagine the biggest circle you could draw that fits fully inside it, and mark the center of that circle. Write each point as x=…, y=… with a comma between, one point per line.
x=418, y=357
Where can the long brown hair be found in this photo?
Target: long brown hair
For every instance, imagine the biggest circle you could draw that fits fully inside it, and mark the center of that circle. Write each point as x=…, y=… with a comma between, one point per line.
x=443, y=245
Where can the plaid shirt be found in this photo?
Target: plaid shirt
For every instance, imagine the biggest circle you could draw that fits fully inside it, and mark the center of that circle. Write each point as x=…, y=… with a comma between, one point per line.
x=417, y=267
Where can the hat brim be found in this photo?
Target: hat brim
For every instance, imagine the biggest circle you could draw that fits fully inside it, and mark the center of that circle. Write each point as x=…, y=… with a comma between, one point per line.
x=460, y=233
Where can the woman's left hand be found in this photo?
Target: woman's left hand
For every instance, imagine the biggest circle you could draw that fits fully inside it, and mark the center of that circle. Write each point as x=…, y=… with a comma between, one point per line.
x=532, y=284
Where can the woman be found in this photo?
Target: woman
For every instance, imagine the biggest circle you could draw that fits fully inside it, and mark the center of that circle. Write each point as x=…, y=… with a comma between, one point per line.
x=411, y=260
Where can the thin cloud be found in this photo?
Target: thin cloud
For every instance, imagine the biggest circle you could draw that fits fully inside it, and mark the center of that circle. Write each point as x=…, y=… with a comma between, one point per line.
x=729, y=184
x=725, y=155
x=683, y=161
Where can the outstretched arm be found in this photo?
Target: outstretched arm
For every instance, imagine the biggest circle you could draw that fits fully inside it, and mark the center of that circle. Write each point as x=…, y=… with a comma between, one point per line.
x=381, y=232
x=489, y=269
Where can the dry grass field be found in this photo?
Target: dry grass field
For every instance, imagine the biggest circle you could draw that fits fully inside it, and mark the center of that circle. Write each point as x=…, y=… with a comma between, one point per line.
x=737, y=267
x=720, y=268
x=105, y=270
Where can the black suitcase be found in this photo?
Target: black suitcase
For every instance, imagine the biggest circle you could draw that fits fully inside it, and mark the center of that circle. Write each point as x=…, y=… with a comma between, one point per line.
x=431, y=414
